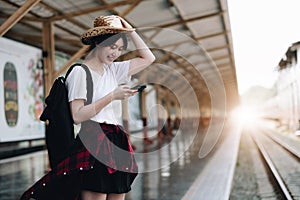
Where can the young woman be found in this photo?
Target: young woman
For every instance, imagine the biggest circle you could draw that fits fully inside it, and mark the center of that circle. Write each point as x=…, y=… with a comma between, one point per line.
x=107, y=41
x=103, y=165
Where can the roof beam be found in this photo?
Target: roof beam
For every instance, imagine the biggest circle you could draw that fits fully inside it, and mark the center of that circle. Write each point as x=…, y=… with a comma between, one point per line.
x=183, y=22
x=25, y=18
x=218, y=48
x=17, y=16
x=74, y=58
x=128, y=10
x=196, y=39
x=91, y=10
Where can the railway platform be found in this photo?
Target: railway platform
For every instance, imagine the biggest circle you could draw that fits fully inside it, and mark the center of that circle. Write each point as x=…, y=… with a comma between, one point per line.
x=175, y=171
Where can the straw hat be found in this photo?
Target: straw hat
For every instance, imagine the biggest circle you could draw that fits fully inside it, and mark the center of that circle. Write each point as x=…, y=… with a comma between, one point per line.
x=104, y=25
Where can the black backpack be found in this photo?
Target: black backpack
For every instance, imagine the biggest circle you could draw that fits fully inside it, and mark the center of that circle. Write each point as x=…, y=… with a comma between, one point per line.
x=60, y=127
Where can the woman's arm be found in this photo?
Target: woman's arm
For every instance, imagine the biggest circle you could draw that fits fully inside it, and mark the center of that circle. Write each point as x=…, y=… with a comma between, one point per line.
x=81, y=112
x=145, y=56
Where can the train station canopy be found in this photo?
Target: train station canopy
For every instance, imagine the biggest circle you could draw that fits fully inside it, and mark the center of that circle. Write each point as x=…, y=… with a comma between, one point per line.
x=191, y=39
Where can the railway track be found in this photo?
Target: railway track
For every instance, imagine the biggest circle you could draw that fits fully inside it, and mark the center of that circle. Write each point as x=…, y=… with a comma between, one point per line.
x=282, y=162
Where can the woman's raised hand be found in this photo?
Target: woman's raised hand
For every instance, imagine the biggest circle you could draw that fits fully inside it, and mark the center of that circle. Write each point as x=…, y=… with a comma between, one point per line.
x=124, y=22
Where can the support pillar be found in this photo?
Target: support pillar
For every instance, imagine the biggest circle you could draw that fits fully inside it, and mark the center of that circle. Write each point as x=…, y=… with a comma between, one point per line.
x=125, y=115
x=48, y=55
x=144, y=117
x=125, y=118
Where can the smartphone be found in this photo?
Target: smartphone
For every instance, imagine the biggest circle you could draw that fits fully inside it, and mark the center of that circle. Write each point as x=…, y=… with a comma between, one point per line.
x=139, y=87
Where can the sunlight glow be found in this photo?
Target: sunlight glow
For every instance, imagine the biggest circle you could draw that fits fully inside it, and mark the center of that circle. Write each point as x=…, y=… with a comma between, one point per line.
x=246, y=116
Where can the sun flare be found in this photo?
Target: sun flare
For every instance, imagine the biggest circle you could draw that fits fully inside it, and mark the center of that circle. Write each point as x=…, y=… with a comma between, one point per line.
x=246, y=115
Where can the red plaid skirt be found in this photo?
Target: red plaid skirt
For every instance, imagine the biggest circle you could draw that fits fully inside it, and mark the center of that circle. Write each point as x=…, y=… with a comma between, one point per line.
x=97, y=143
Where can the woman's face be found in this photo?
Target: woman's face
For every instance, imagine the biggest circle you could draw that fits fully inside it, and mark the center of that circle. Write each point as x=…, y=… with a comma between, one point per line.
x=108, y=54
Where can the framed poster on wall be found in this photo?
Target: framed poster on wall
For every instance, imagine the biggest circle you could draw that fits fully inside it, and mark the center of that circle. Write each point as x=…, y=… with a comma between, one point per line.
x=21, y=92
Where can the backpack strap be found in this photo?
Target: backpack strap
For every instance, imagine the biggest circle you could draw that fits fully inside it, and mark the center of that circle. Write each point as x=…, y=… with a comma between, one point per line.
x=89, y=85
x=89, y=81
x=71, y=68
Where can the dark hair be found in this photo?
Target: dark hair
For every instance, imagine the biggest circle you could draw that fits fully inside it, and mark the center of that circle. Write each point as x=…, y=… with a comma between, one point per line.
x=107, y=40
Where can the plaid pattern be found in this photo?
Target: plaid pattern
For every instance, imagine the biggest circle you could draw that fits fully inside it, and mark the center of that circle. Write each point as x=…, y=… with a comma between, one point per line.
x=99, y=144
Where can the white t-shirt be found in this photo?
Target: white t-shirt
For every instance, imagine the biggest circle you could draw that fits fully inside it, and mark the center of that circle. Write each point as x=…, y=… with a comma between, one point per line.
x=114, y=75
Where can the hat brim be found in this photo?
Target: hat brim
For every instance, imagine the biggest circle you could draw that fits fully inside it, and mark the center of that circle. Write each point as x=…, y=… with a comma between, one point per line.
x=101, y=30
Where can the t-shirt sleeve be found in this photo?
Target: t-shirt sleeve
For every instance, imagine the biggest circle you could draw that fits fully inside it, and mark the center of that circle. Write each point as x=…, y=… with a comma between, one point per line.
x=121, y=69
x=76, y=84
